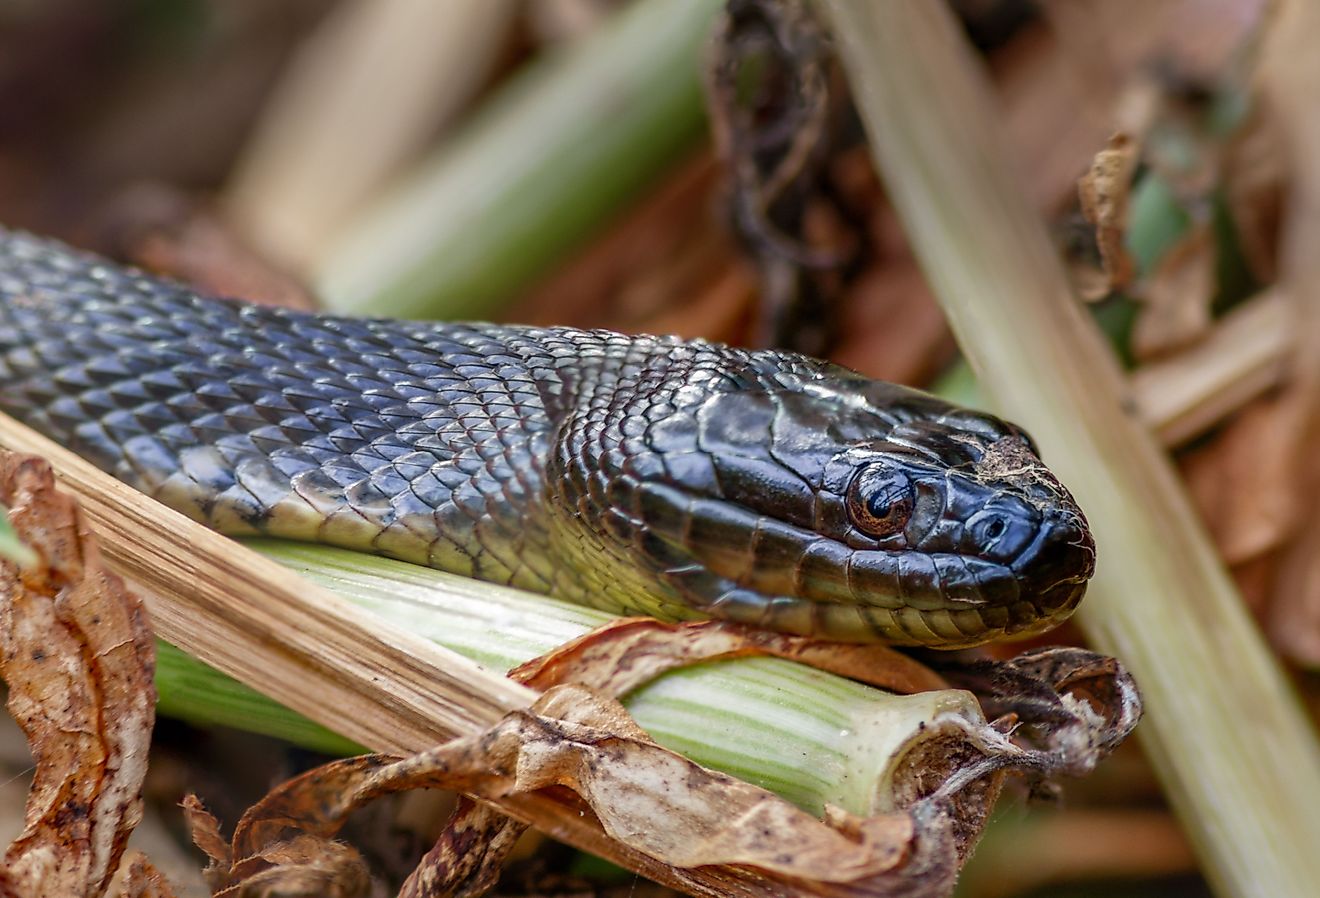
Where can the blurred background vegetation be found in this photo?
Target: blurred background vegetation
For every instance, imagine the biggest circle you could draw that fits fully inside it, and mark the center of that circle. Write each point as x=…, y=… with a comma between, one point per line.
x=608, y=164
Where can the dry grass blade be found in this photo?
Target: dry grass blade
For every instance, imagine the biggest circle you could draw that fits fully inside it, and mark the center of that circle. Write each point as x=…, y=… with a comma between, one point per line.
x=78, y=659
x=260, y=623
x=1161, y=599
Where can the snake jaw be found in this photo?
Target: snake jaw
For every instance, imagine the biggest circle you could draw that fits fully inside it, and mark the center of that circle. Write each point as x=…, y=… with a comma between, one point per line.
x=939, y=587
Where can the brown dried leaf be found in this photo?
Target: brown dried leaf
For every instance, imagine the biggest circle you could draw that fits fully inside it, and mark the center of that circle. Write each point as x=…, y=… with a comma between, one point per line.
x=303, y=865
x=1103, y=192
x=1255, y=581
x=652, y=799
x=142, y=880
x=204, y=830
x=1177, y=298
x=621, y=655
x=582, y=749
x=467, y=858
x=78, y=657
x=1288, y=72
x=1242, y=483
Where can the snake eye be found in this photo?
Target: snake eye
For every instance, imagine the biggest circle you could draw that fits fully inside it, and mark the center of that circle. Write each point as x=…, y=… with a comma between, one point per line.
x=879, y=501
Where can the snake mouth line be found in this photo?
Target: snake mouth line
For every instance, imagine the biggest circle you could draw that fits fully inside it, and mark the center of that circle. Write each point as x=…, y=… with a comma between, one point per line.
x=940, y=628
x=769, y=573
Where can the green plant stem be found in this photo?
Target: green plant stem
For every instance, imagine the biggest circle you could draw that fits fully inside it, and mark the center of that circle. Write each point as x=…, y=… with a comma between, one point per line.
x=811, y=737
x=558, y=149
x=1236, y=754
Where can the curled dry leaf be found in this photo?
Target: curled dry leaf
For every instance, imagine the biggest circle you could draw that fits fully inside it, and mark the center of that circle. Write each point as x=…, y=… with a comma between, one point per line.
x=652, y=799
x=1071, y=707
x=142, y=880
x=1103, y=192
x=304, y=864
x=78, y=657
x=300, y=865
x=205, y=832
x=467, y=858
x=621, y=655
x=583, y=748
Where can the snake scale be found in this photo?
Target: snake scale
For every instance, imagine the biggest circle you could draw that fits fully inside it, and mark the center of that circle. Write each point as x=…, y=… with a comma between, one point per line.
x=643, y=474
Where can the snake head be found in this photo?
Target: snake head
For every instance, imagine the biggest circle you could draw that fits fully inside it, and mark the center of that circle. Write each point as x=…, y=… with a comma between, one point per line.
x=804, y=498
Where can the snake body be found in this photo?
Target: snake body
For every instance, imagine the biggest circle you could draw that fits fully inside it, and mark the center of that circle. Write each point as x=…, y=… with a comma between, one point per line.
x=634, y=473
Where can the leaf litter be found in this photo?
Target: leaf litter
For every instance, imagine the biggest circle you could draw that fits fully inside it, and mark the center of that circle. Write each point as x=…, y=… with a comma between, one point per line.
x=1103, y=192
x=1233, y=143
x=579, y=744
x=78, y=657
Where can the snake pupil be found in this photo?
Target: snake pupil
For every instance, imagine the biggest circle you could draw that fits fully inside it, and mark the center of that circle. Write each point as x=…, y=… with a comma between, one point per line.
x=879, y=501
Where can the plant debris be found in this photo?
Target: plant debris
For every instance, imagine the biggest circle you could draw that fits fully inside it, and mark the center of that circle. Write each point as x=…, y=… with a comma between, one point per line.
x=1073, y=706
x=769, y=88
x=1103, y=192
x=141, y=879
x=651, y=799
x=1242, y=484
x=581, y=746
x=622, y=655
x=78, y=658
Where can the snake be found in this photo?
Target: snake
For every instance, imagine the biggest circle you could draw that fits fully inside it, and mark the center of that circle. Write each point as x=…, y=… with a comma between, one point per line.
x=680, y=479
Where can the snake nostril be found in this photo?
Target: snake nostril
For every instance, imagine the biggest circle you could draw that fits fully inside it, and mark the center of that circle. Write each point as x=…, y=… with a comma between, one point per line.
x=988, y=529
x=999, y=534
